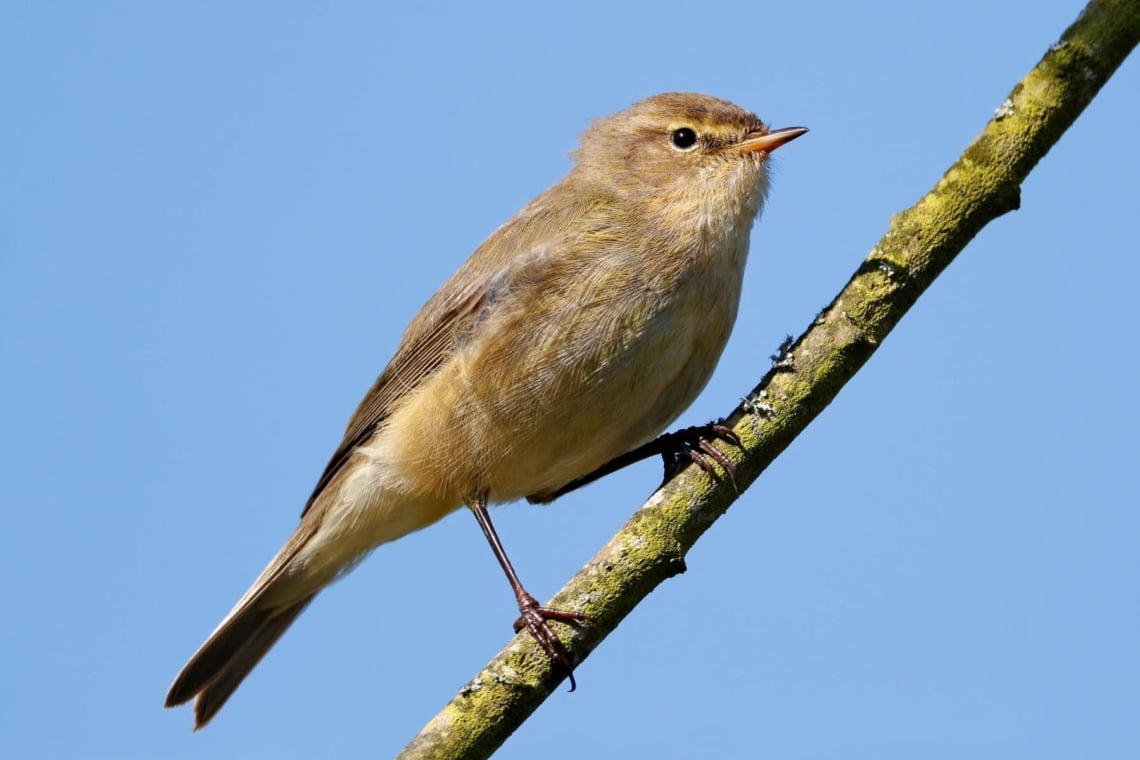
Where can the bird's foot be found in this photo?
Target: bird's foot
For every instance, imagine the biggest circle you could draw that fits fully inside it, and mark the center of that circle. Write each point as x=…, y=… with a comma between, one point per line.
x=533, y=617
x=694, y=444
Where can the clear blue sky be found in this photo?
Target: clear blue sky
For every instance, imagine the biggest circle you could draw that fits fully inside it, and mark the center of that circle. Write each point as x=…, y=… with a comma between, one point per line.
x=216, y=220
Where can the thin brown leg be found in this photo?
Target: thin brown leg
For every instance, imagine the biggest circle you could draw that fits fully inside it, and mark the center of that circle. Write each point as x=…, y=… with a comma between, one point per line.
x=532, y=616
x=691, y=443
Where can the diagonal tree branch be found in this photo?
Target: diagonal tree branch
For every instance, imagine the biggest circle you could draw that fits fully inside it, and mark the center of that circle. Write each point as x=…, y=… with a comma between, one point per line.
x=982, y=185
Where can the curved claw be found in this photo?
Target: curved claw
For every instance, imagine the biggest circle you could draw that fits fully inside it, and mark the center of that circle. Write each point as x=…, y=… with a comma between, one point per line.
x=694, y=443
x=534, y=619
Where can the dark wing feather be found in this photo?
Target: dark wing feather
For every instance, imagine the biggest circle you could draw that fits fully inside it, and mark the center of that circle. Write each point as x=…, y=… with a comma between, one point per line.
x=452, y=313
x=418, y=357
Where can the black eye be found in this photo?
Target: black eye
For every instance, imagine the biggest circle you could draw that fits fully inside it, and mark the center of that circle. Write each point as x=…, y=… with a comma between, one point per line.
x=684, y=138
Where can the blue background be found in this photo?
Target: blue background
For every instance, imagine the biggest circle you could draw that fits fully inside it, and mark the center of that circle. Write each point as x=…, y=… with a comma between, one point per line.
x=216, y=220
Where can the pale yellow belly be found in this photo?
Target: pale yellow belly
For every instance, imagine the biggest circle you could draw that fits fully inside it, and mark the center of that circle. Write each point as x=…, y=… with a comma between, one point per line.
x=537, y=425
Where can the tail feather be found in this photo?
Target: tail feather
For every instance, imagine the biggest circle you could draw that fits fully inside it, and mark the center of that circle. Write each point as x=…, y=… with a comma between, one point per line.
x=218, y=668
x=218, y=691
x=211, y=658
x=259, y=618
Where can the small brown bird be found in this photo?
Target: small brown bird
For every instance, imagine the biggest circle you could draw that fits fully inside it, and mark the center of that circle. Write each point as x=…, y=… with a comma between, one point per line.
x=574, y=335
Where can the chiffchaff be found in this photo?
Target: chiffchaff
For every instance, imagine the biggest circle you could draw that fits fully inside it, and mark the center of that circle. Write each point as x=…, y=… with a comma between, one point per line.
x=576, y=333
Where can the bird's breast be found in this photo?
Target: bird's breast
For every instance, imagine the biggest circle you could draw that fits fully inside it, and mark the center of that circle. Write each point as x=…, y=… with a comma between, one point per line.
x=550, y=389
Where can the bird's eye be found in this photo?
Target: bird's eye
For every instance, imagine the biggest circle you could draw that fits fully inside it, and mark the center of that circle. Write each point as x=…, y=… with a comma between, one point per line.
x=684, y=138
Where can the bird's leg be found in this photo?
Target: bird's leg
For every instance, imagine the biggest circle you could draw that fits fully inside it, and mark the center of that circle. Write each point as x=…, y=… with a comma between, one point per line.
x=688, y=444
x=532, y=616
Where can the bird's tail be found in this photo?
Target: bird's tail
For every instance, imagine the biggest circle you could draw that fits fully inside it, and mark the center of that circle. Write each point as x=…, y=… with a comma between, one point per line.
x=227, y=657
x=322, y=549
x=259, y=618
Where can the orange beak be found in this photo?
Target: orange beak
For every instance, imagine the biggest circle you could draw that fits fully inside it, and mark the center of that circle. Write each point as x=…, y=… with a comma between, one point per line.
x=754, y=142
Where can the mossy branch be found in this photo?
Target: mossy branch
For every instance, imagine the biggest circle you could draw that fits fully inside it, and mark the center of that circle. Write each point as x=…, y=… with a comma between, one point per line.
x=982, y=185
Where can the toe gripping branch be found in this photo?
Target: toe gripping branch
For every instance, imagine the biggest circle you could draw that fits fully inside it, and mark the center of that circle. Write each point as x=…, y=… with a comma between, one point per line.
x=691, y=444
x=694, y=444
x=532, y=616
